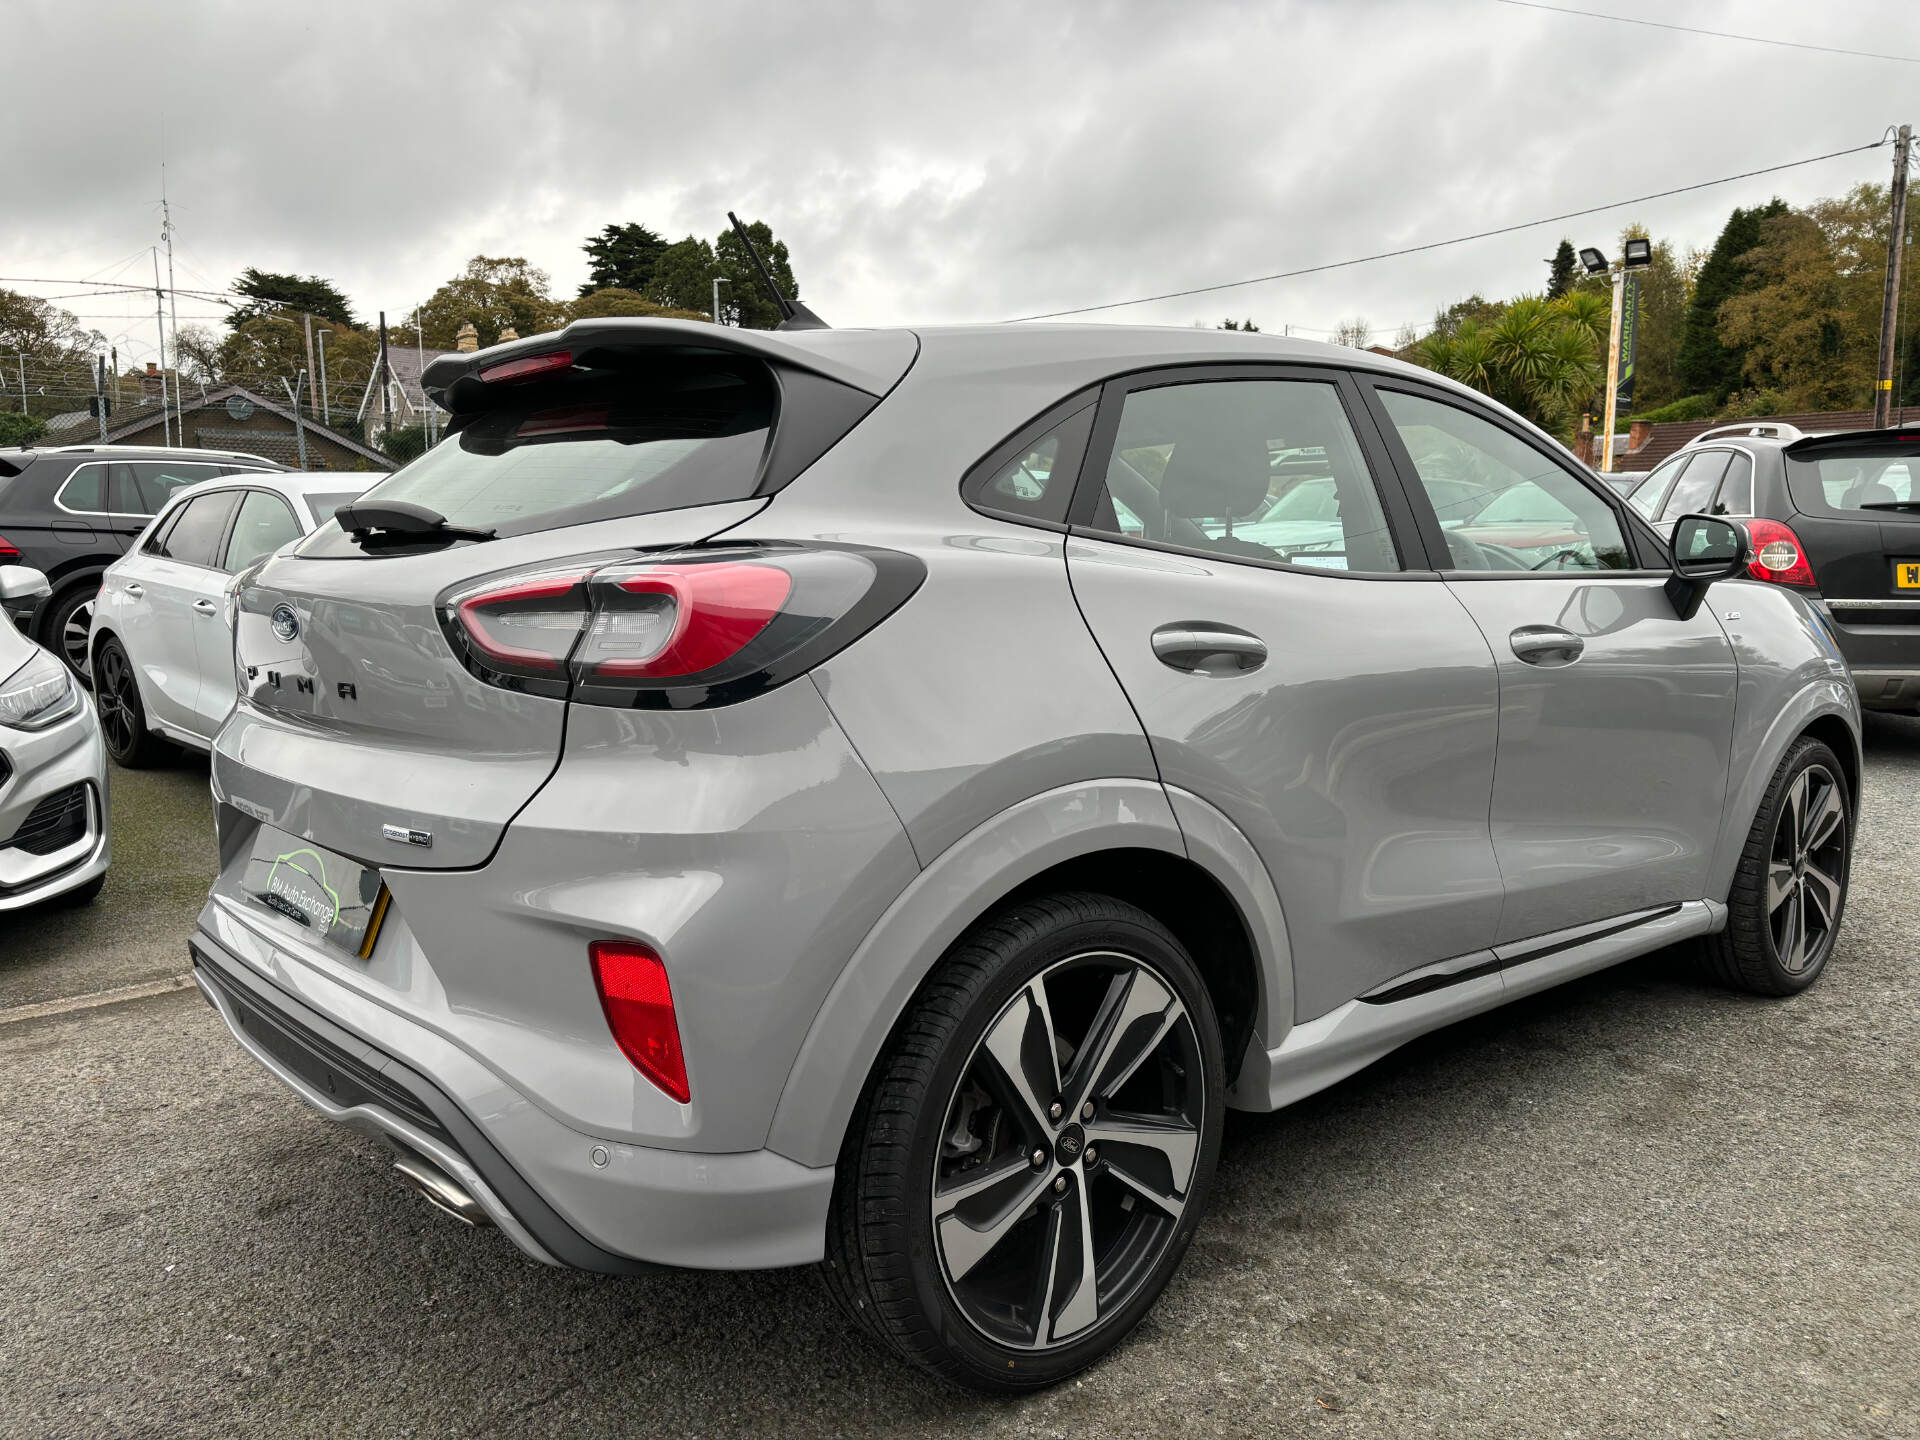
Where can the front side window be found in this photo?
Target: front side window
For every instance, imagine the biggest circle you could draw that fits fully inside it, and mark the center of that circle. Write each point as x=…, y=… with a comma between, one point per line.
x=1249, y=469
x=1531, y=516
x=194, y=538
x=1648, y=494
x=263, y=525
x=1693, y=492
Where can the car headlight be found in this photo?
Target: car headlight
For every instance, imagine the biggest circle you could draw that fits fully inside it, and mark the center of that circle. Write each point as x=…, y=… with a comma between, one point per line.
x=38, y=694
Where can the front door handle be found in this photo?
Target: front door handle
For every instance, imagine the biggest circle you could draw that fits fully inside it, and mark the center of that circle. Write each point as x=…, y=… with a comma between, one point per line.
x=1546, y=645
x=135, y=589
x=206, y=607
x=1201, y=648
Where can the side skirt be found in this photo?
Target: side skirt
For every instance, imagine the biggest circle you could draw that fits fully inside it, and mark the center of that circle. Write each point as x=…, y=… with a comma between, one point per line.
x=1322, y=1051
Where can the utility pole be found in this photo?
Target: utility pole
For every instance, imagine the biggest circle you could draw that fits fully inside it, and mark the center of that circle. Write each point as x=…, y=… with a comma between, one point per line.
x=420, y=356
x=326, y=406
x=718, y=281
x=114, y=353
x=299, y=429
x=173, y=303
x=1890, y=304
x=100, y=394
x=23, y=382
x=306, y=322
x=386, y=382
x=160, y=324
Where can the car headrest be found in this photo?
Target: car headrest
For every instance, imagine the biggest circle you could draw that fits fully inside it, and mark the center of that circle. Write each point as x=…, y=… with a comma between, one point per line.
x=1215, y=472
x=1870, y=493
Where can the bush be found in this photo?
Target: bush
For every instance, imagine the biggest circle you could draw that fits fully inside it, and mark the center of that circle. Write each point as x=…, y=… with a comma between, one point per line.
x=405, y=442
x=18, y=429
x=1688, y=407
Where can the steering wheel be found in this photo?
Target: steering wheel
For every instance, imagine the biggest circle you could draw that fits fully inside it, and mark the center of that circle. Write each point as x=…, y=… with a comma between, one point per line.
x=1482, y=555
x=1559, y=555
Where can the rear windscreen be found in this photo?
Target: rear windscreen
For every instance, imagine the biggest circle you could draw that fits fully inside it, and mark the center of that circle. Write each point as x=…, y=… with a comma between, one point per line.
x=1857, y=479
x=598, y=445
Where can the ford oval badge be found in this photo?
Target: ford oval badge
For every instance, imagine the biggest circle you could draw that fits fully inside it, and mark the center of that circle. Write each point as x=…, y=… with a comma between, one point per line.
x=286, y=624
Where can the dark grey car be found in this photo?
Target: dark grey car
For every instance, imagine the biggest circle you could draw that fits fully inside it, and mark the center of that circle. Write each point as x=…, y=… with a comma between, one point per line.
x=750, y=799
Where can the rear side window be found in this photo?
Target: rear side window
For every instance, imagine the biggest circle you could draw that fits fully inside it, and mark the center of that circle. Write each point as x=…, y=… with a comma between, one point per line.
x=1647, y=495
x=1249, y=470
x=323, y=506
x=86, y=489
x=646, y=436
x=1031, y=478
x=1695, y=488
x=194, y=538
x=1736, y=491
x=262, y=527
x=152, y=483
x=1856, y=478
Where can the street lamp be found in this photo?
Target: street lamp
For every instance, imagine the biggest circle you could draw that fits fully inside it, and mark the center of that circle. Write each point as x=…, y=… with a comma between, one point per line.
x=718, y=281
x=1636, y=255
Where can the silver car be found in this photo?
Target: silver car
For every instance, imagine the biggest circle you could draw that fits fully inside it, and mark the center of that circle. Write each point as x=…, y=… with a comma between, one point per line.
x=749, y=799
x=53, y=770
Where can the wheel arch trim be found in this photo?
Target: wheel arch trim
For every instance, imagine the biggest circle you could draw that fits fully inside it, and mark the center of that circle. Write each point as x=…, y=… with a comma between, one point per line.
x=846, y=1036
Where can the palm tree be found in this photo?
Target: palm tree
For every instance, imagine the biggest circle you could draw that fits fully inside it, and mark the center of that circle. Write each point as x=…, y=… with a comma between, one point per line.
x=1537, y=356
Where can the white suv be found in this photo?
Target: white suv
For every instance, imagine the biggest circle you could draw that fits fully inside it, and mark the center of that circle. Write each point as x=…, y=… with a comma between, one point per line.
x=161, y=647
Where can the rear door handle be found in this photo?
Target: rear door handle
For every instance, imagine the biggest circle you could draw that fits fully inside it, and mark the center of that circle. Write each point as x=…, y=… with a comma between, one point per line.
x=206, y=607
x=1546, y=645
x=136, y=590
x=1205, y=649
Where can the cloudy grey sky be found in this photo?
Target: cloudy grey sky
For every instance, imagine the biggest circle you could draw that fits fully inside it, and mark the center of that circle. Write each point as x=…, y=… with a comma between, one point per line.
x=924, y=162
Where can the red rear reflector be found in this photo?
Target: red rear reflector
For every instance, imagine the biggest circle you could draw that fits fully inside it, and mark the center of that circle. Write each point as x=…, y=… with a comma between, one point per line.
x=704, y=614
x=528, y=625
x=9, y=552
x=638, y=1003
x=528, y=367
x=1777, y=555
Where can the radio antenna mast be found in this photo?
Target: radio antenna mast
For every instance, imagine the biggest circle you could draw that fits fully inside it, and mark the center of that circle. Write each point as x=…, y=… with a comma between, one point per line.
x=793, y=314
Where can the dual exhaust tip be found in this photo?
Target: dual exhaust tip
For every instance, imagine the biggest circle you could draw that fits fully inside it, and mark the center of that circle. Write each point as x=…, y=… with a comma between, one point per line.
x=443, y=1192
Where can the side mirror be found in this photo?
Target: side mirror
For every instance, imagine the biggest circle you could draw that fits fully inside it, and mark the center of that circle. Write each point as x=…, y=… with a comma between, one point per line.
x=23, y=582
x=1705, y=548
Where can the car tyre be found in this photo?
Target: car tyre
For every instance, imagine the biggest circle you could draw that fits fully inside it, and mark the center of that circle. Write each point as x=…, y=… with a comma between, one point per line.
x=1790, y=891
x=123, y=719
x=951, y=1238
x=66, y=621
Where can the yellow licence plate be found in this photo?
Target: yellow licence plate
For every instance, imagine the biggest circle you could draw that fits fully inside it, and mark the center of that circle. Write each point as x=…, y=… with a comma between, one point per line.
x=1906, y=575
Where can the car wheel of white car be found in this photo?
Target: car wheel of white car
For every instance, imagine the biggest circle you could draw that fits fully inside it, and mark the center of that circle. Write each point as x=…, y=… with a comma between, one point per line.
x=123, y=719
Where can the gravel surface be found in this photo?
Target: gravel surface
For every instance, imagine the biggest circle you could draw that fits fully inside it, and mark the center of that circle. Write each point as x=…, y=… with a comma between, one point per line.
x=1636, y=1205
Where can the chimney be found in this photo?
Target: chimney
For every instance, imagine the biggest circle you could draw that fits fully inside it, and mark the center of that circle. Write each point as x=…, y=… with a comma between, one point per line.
x=152, y=368
x=508, y=334
x=466, y=338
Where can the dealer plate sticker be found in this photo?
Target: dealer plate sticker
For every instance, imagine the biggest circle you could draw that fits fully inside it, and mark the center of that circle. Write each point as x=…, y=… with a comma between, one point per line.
x=336, y=899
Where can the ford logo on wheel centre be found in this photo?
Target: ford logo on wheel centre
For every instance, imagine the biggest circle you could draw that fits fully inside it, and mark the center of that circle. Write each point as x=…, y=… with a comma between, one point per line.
x=286, y=624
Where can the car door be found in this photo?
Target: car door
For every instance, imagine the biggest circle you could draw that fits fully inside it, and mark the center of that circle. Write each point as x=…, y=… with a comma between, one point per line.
x=261, y=525
x=1616, y=715
x=180, y=582
x=1314, y=681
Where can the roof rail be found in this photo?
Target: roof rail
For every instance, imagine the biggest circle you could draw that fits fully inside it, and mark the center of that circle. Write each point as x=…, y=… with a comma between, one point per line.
x=1757, y=429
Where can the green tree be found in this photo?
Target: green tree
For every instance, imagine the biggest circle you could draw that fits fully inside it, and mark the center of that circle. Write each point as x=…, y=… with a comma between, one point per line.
x=1706, y=363
x=683, y=276
x=621, y=257
x=1561, y=271
x=267, y=292
x=264, y=352
x=1246, y=325
x=493, y=293
x=745, y=301
x=55, y=350
x=1537, y=356
x=615, y=302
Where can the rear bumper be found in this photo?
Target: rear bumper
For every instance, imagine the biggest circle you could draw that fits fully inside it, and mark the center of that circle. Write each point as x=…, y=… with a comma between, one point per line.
x=35, y=768
x=564, y=1197
x=1881, y=642
x=1884, y=689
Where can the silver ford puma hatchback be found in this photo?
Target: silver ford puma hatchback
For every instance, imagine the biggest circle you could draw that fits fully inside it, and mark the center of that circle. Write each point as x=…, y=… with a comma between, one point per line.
x=749, y=799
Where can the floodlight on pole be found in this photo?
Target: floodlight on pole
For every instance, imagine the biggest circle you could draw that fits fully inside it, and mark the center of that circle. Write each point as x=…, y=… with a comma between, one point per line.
x=1637, y=253
x=1594, y=261
x=718, y=281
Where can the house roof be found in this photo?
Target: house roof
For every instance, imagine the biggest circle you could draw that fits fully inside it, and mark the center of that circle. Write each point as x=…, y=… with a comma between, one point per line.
x=1667, y=436
x=404, y=363
x=265, y=443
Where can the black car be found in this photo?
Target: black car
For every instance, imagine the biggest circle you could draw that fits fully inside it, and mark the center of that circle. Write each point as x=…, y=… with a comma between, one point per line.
x=71, y=511
x=1836, y=512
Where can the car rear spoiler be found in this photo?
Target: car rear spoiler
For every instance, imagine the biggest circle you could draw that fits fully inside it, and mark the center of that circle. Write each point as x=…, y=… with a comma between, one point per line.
x=1839, y=442
x=870, y=361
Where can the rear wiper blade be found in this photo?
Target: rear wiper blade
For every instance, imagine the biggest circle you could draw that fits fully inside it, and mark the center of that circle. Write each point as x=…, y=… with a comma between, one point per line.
x=1889, y=505
x=401, y=520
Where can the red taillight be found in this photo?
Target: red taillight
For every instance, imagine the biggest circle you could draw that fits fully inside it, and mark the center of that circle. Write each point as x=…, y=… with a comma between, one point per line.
x=1777, y=555
x=526, y=626
x=9, y=552
x=638, y=1002
x=529, y=367
x=681, y=619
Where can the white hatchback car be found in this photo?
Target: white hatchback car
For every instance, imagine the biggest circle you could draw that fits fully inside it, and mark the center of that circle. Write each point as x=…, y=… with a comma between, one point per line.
x=161, y=646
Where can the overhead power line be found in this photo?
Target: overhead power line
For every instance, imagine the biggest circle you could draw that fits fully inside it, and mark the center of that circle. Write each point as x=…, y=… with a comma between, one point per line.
x=1443, y=244
x=1716, y=34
